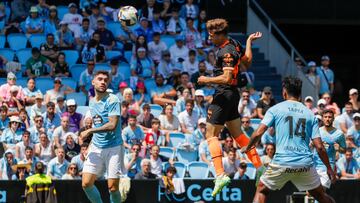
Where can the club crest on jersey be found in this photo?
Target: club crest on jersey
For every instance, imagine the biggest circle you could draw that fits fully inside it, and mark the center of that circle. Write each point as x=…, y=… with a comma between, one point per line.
x=97, y=120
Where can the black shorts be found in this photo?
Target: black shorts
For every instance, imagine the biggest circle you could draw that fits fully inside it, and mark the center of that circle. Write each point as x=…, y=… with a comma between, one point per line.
x=224, y=107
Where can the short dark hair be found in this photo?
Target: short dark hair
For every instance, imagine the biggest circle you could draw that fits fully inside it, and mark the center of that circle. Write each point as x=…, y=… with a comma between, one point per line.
x=132, y=117
x=125, y=103
x=3, y=108
x=232, y=149
x=103, y=72
x=192, y=52
x=86, y=20
x=185, y=73
x=293, y=86
x=28, y=148
x=35, y=50
x=348, y=103
x=217, y=26
x=156, y=34
x=326, y=111
x=189, y=18
x=349, y=150
x=114, y=62
x=146, y=106
x=171, y=169
x=26, y=132
x=49, y=35
x=50, y=104
x=84, y=145
x=155, y=121
x=189, y=101
x=243, y=165
x=39, y=167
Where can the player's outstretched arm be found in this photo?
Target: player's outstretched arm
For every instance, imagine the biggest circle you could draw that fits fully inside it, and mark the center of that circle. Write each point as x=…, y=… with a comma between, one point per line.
x=109, y=126
x=255, y=137
x=246, y=59
x=324, y=157
x=224, y=79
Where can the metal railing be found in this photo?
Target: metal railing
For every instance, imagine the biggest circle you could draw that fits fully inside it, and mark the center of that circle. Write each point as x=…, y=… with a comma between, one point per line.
x=277, y=48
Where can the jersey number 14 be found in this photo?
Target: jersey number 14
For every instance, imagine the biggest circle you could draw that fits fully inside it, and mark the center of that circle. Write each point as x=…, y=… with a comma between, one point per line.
x=299, y=129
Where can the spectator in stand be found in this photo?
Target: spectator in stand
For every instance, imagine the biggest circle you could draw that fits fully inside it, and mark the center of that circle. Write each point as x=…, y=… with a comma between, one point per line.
x=346, y=118
x=353, y=98
x=204, y=153
x=72, y=173
x=201, y=106
x=59, y=90
x=24, y=119
x=60, y=105
x=52, y=120
x=75, y=119
x=154, y=136
x=210, y=61
x=5, y=93
x=12, y=134
x=6, y=164
x=100, y=49
x=162, y=94
x=312, y=75
x=36, y=64
x=49, y=49
x=71, y=147
x=175, y=24
x=198, y=135
x=132, y=161
x=166, y=65
x=158, y=24
x=246, y=127
x=106, y=37
x=30, y=158
x=321, y=106
x=188, y=118
x=88, y=122
x=255, y=95
x=33, y=23
x=269, y=154
x=168, y=121
x=44, y=149
x=80, y=158
x=189, y=10
x=20, y=9
x=266, y=101
x=191, y=64
x=36, y=129
x=84, y=35
x=51, y=24
x=228, y=142
x=141, y=95
x=309, y=103
x=354, y=130
x=331, y=105
x=166, y=10
x=116, y=76
x=38, y=108
x=61, y=67
x=21, y=146
x=134, y=107
x=3, y=62
x=124, y=114
x=140, y=42
x=64, y=37
x=156, y=163
x=21, y=171
x=142, y=66
x=156, y=47
x=14, y=104
x=4, y=119
x=148, y=10
x=122, y=86
x=132, y=134
x=326, y=76
x=145, y=173
x=180, y=102
x=241, y=170
x=144, y=119
x=73, y=19
x=178, y=51
x=192, y=35
x=89, y=51
x=201, y=27
x=57, y=166
x=247, y=106
x=43, y=9
x=185, y=83
x=95, y=15
x=86, y=77
x=348, y=166
x=230, y=162
x=201, y=72
x=144, y=29
x=30, y=92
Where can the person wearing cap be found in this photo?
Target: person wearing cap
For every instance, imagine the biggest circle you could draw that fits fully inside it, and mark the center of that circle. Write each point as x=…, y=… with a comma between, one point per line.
x=33, y=23
x=75, y=118
x=312, y=75
x=266, y=101
x=59, y=90
x=12, y=134
x=353, y=98
x=64, y=36
x=156, y=47
x=107, y=38
x=73, y=19
x=166, y=65
x=309, y=103
x=241, y=170
x=38, y=108
x=141, y=95
x=6, y=164
x=141, y=65
x=176, y=24
x=178, y=51
x=85, y=34
x=122, y=86
x=346, y=118
x=49, y=49
x=37, y=64
x=354, y=131
x=51, y=23
x=320, y=107
x=326, y=76
x=21, y=170
x=198, y=135
x=144, y=29
x=5, y=88
x=201, y=106
x=163, y=93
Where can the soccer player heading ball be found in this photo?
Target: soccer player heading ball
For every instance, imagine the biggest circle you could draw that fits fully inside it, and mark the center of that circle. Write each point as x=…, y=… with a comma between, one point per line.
x=223, y=109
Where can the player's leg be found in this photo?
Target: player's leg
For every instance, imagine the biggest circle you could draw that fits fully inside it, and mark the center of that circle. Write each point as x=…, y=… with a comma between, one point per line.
x=261, y=193
x=115, y=168
x=113, y=185
x=320, y=195
x=90, y=189
x=242, y=140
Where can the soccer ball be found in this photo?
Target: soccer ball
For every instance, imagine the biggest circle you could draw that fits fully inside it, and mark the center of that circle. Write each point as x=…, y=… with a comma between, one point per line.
x=128, y=14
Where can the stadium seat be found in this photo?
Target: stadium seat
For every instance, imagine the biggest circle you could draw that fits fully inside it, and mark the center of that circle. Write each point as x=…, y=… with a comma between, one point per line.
x=23, y=55
x=17, y=41
x=150, y=84
x=23, y=26
x=156, y=110
x=111, y=54
x=69, y=82
x=251, y=171
x=76, y=71
x=8, y=54
x=71, y=56
x=198, y=170
x=22, y=82
x=255, y=122
x=62, y=10
x=180, y=169
x=185, y=156
x=168, y=40
x=79, y=97
x=176, y=138
x=3, y=81
x=102, y=66
x=115, y=28
x=82, y=109
x=44, y=84
x=124, y=69
x=37, y=39
x=2, y=41
x=167, y=152
x=211, y=172
x=128, y=55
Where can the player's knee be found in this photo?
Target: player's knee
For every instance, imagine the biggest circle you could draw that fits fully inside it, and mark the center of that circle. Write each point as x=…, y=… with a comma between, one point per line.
x=113, y=188
x=263, y=189
x=86, y=184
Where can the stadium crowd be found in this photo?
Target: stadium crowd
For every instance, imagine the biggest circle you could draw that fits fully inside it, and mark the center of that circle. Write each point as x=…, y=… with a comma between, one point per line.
x=163, y=108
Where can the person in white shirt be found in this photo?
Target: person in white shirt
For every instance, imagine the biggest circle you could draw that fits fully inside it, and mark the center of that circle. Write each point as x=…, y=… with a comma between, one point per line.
x=84, y=35
x=230, y=162
x=73, y=19
x=191, y=64
x=38, y=108
x=188, y=118
x=178, y=50
x=156, y=163
x=60, y=133
x=166, y=65
x=247, y=106
x=346, y=120
x=156, y=47
x=176, y=24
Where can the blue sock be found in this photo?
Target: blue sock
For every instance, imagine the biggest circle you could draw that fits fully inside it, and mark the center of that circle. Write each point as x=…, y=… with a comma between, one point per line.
x=115, y=197
x=93, y=194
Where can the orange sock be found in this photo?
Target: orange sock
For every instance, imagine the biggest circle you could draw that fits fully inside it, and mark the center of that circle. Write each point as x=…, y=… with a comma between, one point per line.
x=216, y=155
x=243, y=141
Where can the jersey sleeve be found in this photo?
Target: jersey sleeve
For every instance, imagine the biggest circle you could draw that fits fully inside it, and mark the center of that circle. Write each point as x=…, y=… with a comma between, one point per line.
x=315, y=128
x=114, y=106
x=269, y=118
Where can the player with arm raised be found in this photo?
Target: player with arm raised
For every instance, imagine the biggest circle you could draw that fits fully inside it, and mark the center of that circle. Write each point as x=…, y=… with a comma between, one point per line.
x=295, y=126
x=106, y=150
x=223, y=109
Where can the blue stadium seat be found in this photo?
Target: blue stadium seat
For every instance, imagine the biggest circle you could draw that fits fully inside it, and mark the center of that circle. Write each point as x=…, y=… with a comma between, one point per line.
x=82, y=109
x=115, y=28
x=23, y=26
x=71, y=56
x=124, y=68
x=17, y=41
x=8, y=54
x=23, y=69
x=62, y=10
x=198, y=170
x=150, y=84
x=102, y=66
x=168, y=40
x=251, y=171
x=37, y=39
x=211, y=172
x=44, y=84
x=167, y=152
x=111, y=54
x=176, y=138
x=255, y=122
x=69, y=82
x=79, y=97
x=76, y=71
x=128, y=55
x=22, y=82
x=156, y=110
x=23, y=55
x=180, y=169
x=185, y=156
x=3, y=81
x=2, y=41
